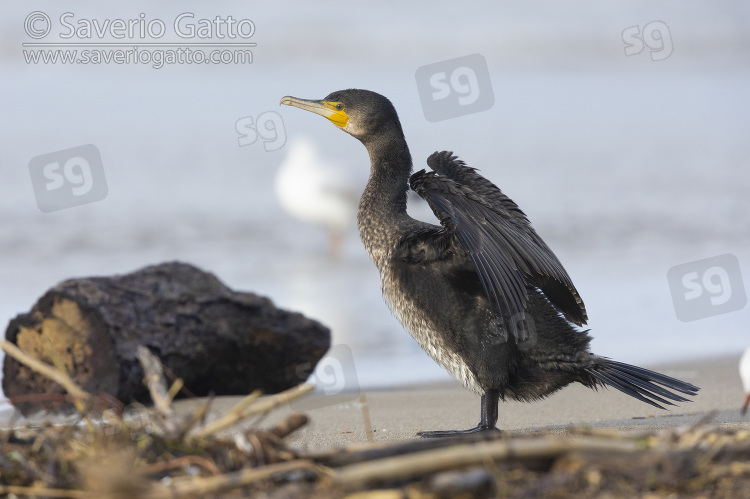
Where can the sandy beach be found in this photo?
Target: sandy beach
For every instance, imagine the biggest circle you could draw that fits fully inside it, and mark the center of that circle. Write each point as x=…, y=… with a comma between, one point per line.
x=358, y=420
x=398, y=414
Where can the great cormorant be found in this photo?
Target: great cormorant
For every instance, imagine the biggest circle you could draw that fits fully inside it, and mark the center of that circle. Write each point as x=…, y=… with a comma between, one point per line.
x=482, y=294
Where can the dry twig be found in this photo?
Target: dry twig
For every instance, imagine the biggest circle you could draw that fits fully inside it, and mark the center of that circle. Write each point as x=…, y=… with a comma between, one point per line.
x=199, y=487
x=178, y=463
x=45, y=492
x=157, y=387
x=246, y=408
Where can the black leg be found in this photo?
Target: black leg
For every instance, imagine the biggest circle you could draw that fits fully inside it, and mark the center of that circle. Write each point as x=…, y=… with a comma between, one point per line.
x=487, y=423
x=489, y=408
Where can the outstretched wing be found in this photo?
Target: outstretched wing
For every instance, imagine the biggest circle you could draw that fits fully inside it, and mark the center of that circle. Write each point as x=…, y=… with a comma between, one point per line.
x=506, y=251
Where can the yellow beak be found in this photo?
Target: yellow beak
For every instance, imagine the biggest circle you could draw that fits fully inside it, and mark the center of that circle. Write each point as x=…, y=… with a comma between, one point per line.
x=324, y=108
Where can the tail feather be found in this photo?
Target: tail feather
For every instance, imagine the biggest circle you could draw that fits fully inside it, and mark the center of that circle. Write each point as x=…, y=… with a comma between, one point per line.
x=662, y=379
x=631, y=389
x=648, y=384
x=641, y=383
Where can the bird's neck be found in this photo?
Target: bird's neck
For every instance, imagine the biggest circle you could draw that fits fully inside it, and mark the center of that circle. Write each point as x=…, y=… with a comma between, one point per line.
x=383, y=204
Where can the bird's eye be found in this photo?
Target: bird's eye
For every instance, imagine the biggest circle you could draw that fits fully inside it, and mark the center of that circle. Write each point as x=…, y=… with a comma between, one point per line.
x=339, y=107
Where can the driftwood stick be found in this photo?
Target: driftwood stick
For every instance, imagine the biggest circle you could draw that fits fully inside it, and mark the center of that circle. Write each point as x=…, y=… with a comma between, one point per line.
x=176, y=310
x=279, y=399
x=45, y=369
x=200, y=487
x=342, y=457
x=172, y=376
x=178, y=462
x=232, y=416
x=419, y=463
x=198, y=415
x=176, y=388
x=45, y=492
x=244, y=412
x=157, y=387
x=287, y=426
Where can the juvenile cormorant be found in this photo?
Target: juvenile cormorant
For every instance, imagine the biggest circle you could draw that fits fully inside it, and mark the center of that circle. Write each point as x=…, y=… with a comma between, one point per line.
x=483, y=295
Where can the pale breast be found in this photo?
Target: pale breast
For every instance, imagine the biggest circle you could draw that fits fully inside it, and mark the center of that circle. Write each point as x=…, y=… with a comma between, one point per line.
x=418, y=324
x=381, y=245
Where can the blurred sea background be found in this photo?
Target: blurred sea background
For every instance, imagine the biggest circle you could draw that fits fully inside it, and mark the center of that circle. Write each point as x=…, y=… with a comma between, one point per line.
x=626, y=166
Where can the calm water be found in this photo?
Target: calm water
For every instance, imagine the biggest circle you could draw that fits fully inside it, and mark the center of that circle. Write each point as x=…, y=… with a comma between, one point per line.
x=625, y=166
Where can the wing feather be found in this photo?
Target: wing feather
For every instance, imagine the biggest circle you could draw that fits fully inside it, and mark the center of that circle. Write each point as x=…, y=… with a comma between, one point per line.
x=506, y=252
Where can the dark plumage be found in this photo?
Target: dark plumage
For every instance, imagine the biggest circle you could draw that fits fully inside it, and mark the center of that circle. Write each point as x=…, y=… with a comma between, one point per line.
x=482, y=293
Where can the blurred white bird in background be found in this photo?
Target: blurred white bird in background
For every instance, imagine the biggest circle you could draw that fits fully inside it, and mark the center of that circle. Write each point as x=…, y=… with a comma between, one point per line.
x=745, y=376
x=318, y=191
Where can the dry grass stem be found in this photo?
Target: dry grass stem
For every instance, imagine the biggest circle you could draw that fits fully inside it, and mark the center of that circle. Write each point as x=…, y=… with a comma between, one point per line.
x=366, y=418
x=157, y=387
x=231, y=417
x=247, y=408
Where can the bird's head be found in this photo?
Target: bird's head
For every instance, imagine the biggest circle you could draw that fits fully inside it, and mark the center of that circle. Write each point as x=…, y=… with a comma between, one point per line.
x=360, y=113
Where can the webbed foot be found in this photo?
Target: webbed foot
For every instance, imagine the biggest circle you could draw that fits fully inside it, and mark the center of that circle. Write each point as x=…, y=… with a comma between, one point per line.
x=451, y=433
